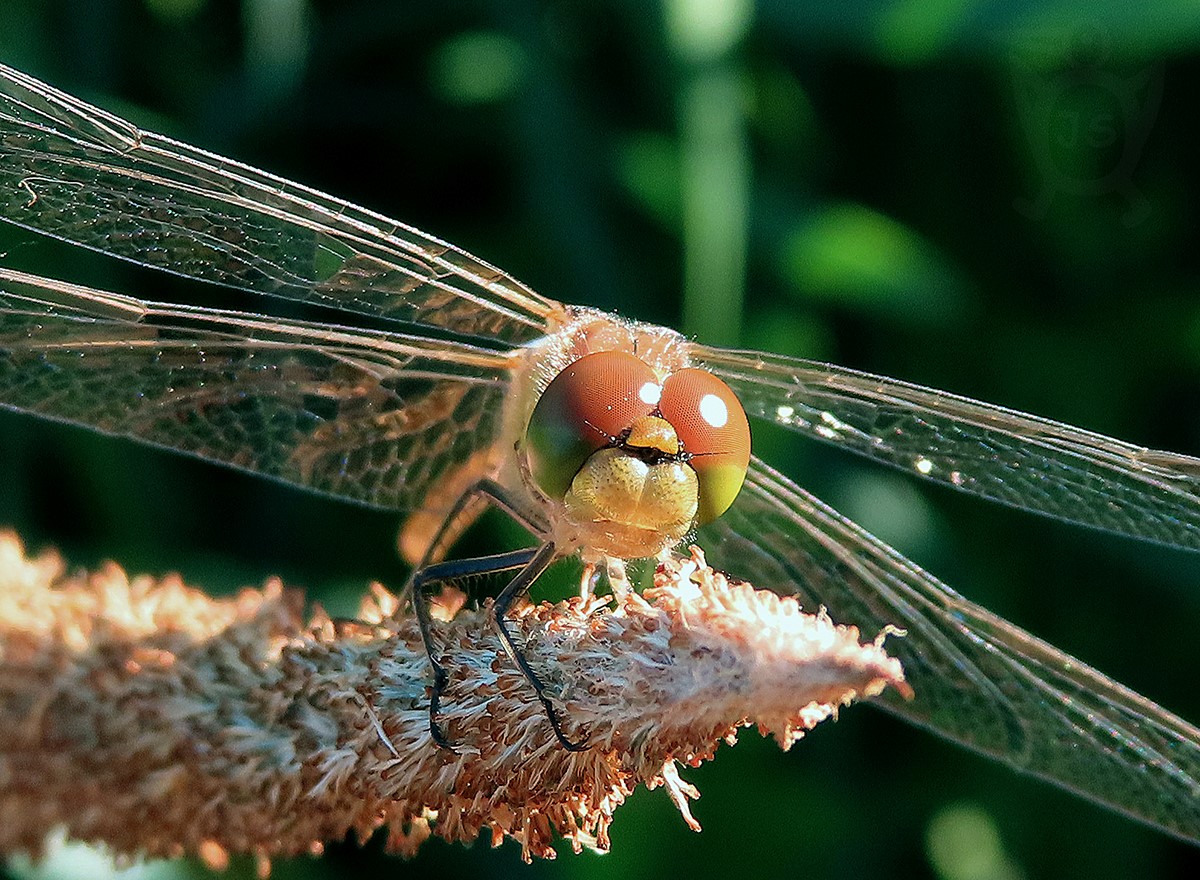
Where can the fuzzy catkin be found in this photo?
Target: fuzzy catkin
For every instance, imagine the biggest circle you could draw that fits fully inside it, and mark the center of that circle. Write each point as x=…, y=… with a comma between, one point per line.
x=146, y=716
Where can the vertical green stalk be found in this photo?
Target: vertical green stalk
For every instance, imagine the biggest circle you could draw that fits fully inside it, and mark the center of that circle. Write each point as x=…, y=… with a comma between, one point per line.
x=704, y=36
x=276, y=40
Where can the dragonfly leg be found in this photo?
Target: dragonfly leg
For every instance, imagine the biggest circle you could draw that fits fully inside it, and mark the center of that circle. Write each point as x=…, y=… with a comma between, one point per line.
x=516, y=588
x=429, y=574
x=432, y=575
x=480, y=495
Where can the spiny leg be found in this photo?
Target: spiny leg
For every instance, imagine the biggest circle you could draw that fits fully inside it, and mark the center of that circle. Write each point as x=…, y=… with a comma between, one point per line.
x=491, y=494
x=440, y=573
x=428, y=574
x=516, y=588
x=532, y=562
x=416, y=590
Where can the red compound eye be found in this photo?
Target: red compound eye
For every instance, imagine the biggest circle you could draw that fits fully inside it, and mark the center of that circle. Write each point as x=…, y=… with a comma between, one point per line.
x=593, y=400
x=712, y=427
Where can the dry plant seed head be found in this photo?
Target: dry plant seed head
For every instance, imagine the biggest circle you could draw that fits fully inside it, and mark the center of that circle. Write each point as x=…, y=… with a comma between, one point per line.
x=142, y=715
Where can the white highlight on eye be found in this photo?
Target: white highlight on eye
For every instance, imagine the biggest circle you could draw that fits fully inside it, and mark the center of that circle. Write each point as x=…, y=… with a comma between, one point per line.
x=924, y=466
x=650, y=393
x=714, y=411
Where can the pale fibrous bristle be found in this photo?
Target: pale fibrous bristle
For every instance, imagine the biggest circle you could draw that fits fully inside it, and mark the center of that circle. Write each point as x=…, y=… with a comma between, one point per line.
x=149, y=718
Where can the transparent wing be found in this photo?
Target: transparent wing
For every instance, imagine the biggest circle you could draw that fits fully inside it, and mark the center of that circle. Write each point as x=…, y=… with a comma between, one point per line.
x=375, y=417
x=1020, y=460
x=978, y=679
x=83, y=175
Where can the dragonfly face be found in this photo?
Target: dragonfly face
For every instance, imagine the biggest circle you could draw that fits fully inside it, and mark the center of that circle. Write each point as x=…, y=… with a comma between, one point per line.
x=409, y=417
x=631, y=455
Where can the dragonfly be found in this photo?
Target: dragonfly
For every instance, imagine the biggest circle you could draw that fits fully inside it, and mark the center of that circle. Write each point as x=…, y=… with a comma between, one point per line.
x=413, y=395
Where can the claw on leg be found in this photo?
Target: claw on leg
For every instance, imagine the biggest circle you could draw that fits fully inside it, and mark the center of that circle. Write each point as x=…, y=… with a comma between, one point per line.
x=440, y=680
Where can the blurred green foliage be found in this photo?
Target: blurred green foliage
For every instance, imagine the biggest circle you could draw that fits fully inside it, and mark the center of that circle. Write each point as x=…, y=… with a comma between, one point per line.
x=997, y=198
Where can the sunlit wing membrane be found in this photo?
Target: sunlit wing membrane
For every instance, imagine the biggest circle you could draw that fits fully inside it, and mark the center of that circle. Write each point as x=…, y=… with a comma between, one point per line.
x=978, y=679
x=373, y=417
x=1020, y=460
x=83, y=175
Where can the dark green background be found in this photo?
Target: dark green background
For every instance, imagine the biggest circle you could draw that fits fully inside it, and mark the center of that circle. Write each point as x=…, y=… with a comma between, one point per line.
x=868, y=164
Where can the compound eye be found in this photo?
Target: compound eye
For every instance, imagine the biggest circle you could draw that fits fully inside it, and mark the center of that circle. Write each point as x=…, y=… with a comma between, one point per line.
x=584, y=408
x=712, y=427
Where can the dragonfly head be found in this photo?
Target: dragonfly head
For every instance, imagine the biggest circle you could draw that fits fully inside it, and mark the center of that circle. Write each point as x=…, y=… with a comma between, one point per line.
x=621, y=445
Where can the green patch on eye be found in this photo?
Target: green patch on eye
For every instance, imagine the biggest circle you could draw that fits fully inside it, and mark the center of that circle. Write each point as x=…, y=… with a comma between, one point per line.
x=719, y=487
x=556, y=451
